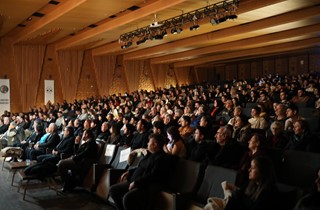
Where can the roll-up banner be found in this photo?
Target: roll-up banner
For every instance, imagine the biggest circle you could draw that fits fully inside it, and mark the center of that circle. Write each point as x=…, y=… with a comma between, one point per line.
x=4, y=95
x=48, y=91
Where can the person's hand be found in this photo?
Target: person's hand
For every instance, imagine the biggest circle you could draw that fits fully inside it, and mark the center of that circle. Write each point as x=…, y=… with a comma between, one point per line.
x=77, y=140
x=36, y=146
x=132, y=186
x=54, y=152
x=124, y=176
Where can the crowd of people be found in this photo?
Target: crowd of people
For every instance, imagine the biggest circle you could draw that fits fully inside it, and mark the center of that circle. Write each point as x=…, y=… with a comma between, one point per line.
x=205, y=123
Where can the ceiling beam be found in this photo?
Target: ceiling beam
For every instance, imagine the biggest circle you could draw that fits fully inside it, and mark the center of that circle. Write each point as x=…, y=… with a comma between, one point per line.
x=55, y=11
x=257, y=41
x=147, y=8
x=261, y=51
x=232, y=31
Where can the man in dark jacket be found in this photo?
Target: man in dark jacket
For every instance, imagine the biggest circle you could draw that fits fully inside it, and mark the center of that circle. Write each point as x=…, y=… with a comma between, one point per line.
x=151, y=176
x=65, y=148
x=47, y=164
x=79, y=164
x=41, y=148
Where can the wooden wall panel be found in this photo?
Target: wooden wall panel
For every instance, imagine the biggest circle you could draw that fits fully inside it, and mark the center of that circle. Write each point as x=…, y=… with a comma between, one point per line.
x=28, y=60
x=50, y=71
x=220, y=73
x=244, y=70
x=293, y=67
x=268, y=66
x=104, y=67
x=87, y=85
x=202, y=73
x=256, y=68
x=183, y=75
x=70, y=64
x=8, y=71
x=281, y=65
x=302, y=64
x=159, y=73
x=231, y=71
x=314, y=63
x=133, y=69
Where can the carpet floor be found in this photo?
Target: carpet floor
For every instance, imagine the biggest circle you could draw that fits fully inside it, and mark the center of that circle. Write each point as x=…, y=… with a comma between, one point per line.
x=45, y=198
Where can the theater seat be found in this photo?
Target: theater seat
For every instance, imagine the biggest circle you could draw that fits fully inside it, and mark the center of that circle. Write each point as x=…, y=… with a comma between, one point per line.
x=107, y=178
x=211, y=186
x=299, y=168
x=185, y=181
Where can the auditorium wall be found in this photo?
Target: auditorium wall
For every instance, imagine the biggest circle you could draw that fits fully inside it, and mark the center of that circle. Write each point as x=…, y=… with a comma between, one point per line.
x=78, y=74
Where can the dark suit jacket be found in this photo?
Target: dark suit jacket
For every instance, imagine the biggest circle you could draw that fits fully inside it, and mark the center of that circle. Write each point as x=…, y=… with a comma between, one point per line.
x=52, y=141
x=66, y=146
x=3, y=128
x=154, y=171
x=87, y=150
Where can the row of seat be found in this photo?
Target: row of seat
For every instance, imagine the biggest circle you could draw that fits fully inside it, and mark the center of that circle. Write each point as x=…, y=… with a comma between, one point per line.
x=193, y=182
x=295, y=170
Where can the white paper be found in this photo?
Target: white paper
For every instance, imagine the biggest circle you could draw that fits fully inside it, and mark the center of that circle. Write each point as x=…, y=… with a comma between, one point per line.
x=124, y=154
x=110, y=150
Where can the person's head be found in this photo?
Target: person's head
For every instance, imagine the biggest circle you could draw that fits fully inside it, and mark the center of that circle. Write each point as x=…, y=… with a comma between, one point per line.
x=167, y=119
x=158, y=127
x=142, y=126
x=262, y=171
x=237, y=111
x=240, y=121
x=156, y=142
x=257, y=142
x=110, y=117
x=114, y=129
x=222, y=135
x=6, y=120
x=300, y=126
x=173, y=133
x=128, y=129
x=76, y=123
x=87, y=124
x=52, y=128
x=104, y=127
x=185, y=121
x=204, y=121
x=67, y=131
x=283, y=95
x=292, y=110
x=255, y=111
x=276, y=128
x=199, y=134
x=87, y=134
x=39, y=129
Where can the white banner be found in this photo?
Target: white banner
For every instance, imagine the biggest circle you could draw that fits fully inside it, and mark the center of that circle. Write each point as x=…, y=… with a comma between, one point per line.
x=4, y=95
x=48, y=91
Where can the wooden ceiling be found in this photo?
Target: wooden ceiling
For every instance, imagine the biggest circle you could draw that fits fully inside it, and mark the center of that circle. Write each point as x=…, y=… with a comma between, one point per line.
x=262, y=28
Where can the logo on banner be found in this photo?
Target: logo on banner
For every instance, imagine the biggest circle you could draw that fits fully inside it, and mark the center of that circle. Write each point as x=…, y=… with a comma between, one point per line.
x=49, y=89
x=4, y=89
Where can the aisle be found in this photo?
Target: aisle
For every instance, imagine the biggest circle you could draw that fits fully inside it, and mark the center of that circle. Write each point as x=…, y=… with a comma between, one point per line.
x=44, y=198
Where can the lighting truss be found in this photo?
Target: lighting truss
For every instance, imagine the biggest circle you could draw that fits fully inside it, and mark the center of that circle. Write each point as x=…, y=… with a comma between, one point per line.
x=218, y=13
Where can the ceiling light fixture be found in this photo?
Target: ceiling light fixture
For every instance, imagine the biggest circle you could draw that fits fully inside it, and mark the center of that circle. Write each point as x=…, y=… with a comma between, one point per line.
x=157, y=30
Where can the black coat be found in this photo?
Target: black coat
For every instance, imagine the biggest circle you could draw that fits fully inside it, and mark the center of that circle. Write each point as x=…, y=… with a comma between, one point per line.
x=87, y=150
x=153, y=171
